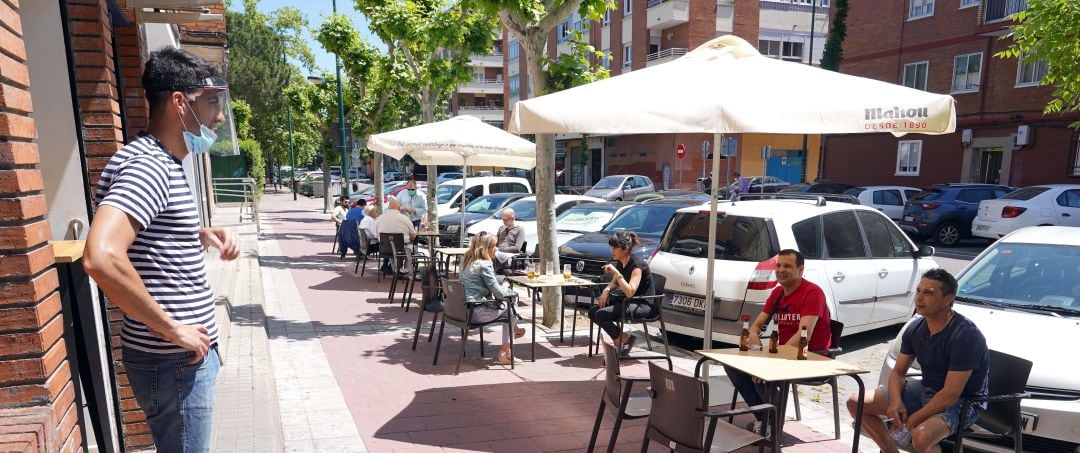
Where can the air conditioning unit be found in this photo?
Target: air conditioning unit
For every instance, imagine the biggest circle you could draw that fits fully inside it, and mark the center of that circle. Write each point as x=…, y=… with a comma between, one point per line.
x=966, y=136
x=1023, y=135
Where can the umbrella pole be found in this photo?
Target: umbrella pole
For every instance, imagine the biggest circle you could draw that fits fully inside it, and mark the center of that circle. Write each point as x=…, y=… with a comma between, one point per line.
x=710, y=265
x=464, y=187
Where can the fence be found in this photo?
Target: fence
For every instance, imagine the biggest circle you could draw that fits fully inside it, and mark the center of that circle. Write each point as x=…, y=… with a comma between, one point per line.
x=243, y=190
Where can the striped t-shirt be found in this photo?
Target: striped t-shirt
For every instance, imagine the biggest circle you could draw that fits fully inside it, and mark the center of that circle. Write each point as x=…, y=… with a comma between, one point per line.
x=145, y=181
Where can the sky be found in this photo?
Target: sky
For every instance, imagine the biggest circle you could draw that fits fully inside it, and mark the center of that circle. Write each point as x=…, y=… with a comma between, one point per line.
x=315, y=10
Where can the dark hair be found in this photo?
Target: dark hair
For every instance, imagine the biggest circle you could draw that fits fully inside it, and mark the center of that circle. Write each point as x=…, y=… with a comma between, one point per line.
x=342, y=198
x=948, y=282
x=737, y=174
x=799, y=258
x=624, y=240
x=361, y=202
x=169, y=70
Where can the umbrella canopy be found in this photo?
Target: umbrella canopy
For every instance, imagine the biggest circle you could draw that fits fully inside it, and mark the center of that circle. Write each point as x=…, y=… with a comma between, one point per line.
x=461, y=140
x=726, y=86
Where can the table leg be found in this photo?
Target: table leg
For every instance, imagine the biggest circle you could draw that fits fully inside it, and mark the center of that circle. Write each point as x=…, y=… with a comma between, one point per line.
x=535, y=295
x=858, y=413
x=592, y=301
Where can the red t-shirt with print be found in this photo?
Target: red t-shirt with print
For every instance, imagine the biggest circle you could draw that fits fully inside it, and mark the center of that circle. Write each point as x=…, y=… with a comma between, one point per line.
x=807, y=300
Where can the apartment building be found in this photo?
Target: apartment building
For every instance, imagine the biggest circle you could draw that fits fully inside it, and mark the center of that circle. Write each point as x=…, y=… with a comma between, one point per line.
x=643, y=33
x=484, y=96
x=949, y=46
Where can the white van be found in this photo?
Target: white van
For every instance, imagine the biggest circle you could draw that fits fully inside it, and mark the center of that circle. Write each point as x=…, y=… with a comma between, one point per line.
x=448, y=195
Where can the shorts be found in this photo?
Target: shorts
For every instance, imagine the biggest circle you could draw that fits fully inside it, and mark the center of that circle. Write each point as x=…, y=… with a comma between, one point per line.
x=915, y=396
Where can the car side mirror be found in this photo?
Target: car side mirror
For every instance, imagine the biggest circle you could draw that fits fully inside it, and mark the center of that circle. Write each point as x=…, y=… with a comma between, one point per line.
x=925, y=251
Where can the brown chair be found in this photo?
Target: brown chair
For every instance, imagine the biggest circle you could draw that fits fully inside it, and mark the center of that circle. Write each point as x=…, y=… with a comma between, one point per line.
x=657, y=301
x=458, y=312
x=680, y=414
x=618, y=392
x=366, y=251
x=431, y=300
x=1002, y=417
x=403, y=265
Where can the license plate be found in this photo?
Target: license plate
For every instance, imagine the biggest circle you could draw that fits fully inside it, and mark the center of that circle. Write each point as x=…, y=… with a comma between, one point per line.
x=452, y=228
x=982, y=227
x=687, y=302
x=908, y=218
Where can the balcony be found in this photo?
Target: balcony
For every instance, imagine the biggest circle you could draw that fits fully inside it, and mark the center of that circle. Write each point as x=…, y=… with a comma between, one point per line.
x=999, y=10
x=485, y=113
x=482, y=86
x=667, y=13
x=495, y=60
x=664, y=56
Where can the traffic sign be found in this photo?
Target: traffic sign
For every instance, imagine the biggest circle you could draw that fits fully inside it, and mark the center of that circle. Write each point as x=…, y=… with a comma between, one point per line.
x=680, y=151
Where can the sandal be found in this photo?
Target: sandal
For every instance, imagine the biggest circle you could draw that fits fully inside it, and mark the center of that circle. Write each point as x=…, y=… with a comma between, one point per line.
x=519, y=332
x=628, y=345
x=504, y=357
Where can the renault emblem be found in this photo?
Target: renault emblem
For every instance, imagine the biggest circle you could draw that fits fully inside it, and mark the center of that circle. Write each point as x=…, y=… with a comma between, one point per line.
x=691, y=270
x=580, y=266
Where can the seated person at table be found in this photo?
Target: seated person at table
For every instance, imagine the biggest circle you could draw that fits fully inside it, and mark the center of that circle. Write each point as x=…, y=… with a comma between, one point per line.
x=394, y=222
x=955, y=364
x=357, y=212
x=370, y=224
x=478, y=278
x=630, y=276
x=348, y=235
x=794, y=303
x=510, y=238
x=340, y=211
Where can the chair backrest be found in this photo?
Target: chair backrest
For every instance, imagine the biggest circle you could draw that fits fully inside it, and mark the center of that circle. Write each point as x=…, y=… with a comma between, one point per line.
x=1008, y=375
x=677, y=406
x=387, y=241
x=429, y=288
x=454, y=304
x=658, y=284
x=612, y=385
x=363, y=238
x=836, y=329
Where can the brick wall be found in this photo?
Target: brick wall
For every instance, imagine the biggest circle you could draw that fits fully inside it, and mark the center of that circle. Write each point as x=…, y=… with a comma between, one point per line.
x=746, y=21
x=37, y=410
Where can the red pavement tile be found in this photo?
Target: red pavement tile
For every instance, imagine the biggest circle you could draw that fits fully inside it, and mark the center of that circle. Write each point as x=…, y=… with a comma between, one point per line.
x=514, y=446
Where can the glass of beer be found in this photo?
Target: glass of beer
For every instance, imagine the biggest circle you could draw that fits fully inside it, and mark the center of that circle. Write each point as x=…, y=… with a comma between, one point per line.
x=530, y=270
x=566, y=271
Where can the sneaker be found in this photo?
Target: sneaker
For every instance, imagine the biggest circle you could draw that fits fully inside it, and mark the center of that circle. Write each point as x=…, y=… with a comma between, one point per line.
x=755, y=427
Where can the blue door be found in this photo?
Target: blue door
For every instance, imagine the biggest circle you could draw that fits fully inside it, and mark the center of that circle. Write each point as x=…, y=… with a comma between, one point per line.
x=787, y=164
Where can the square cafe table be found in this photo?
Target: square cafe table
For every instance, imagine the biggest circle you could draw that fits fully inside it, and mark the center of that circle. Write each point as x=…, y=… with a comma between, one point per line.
x=448, y=252
x=547, y=281
x=781, y=369
x=430, y=237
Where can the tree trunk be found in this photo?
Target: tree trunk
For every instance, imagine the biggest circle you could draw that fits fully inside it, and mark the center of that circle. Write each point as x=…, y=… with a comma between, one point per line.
x=534, y=44
x=327, y=202
x=377, y=179
x=427, y=113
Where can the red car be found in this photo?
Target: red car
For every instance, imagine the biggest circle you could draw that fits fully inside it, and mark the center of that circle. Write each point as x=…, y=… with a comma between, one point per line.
x=391, y=190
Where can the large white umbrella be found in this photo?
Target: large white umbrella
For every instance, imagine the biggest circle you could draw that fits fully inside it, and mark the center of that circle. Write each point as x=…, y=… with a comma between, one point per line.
x=726, y=86
x=461, y=140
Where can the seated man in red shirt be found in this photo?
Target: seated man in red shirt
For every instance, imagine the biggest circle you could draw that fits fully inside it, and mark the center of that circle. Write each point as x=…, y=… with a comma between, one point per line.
x=793, y=304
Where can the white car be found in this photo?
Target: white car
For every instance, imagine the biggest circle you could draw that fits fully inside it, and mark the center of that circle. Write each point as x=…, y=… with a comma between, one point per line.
x=1051, y=204
x=1023, y=293
x=887, y=199
x=448, y=195
x=865, y=265
x=581, y=219
x=525, y=214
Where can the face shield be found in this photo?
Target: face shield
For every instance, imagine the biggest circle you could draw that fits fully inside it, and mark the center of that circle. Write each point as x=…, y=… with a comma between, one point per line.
x=226, y=144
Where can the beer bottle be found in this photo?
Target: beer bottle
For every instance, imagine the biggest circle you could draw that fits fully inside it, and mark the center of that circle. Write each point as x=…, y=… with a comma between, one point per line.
x=774, y=339
x=744, y=338
x=803, y=342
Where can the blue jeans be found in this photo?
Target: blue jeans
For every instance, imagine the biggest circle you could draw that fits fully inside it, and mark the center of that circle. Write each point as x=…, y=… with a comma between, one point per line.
x=915, y=396
x=178, y=398
x=752, y=392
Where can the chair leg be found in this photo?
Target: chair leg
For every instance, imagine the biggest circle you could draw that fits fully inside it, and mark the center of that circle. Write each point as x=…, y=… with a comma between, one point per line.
x=835, y=409
x=795, y=394
x=481, y=342
x=596, y=425
x=419, y=322
x=393, y=286
x=464, y=339
x=734, y=400
x=645, y=441
x=432, y=333
x=648, y=342
x=615, y=431
x=573, y=326
x=667, y=348
x=365, y=265
x=438, y=344
x=511, y=326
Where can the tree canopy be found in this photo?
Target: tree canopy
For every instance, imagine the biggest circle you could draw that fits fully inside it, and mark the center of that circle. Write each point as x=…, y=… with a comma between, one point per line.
x=1048, y=30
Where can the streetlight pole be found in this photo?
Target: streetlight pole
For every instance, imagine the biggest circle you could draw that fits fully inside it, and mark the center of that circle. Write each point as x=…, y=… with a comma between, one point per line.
x=341, y=123
x=288, y=115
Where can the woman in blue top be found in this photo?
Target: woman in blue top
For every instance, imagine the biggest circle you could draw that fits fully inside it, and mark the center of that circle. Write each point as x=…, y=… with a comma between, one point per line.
x=478, y=279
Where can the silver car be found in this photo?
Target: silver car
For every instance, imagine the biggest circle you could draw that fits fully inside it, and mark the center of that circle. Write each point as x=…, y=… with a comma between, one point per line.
x=621, y=187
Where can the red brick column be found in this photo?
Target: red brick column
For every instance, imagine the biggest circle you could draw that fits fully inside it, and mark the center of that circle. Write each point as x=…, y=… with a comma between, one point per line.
x=37, y=410
x=129, y=50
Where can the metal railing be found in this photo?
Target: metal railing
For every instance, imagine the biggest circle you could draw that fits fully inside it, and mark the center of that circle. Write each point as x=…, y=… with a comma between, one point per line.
x=1001, y=10
x=666, y=53
x=246, y=190
x=480, y=107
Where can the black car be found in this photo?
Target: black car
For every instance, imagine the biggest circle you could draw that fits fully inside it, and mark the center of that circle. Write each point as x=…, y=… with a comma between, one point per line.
x=943, y=212
x=587, y=254
x=477, y=210
x=818, y=187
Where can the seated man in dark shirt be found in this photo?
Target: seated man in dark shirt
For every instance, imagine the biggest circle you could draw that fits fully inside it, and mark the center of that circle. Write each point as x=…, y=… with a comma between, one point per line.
x=955, y=364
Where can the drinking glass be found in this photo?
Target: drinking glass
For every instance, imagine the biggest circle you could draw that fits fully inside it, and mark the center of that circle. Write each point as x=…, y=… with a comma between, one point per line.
x=566, y=271
x=530, y=268
x=550, y=270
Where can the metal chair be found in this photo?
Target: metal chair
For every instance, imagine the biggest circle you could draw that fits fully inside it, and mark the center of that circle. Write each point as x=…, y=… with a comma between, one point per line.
x=337, y=234
x=458, y=312
x=366, y=251
x=618, y=392
x=431, y=301
x=680, y=414
x=1002, y=417
x=408, y=265
x=657, y=301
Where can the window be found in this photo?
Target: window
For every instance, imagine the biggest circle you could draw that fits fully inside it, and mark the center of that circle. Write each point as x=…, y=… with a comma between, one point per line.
x=1076, y=161
x=1069, y=198
x=811, y=2
x=910, y=193
x=967, y=72
x=908, y=157
x=738, y=238
x=915, y=75
x=515, y=50
x=607, y=17
x=515, y=85
x=783, y=50
x=842, y=236
x=889, y=197
x=627, y=55
x=884, y=243
x=967, y=3
x=606, y=59
x=808, y=237
x=1029, y=74
x=921, y=8
x=974, y=196
x=627, y=7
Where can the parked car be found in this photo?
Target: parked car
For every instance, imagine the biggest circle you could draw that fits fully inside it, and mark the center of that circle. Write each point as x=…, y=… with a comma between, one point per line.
x=588, y=253
x=389, y=190
x=1023, y=293
x=525, y=213
x=621, y=187
x=448, y=194
x=479, y=209
x=757, y=184
x=443, y=177
x=818, y=187
x=1052, y=204
x=943, y=212
x=389, y=176
x=670, y=194
x=865, y=265
x=887, y=199
x=581, y=219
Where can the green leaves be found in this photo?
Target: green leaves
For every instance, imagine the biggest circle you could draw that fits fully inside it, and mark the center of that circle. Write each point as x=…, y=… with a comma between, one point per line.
x=582, y=65
x=1048, y=30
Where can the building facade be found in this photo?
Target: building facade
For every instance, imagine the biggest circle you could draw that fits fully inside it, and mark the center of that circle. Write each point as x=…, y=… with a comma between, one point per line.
x=70, y=95
x=949, y=46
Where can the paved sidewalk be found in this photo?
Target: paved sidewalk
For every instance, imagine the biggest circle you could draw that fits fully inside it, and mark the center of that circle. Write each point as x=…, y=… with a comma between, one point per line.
x=347, y=379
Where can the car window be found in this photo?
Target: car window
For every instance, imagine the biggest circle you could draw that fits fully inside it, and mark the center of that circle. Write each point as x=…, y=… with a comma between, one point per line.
x=1025, y=274
x=738, y=238
x=565, y=206
x=854, y=191
x=642, y=182
x=643, y=220
x=1026, y=193
x=928, y=195
x=910, y=193
x=583, y=219
x=610, y=182
x=883, y=243
x=471, y=194
x=975, y=195
x=447, y=192
x=889, y=197
x=484, y=205
x=1069, y=198
x=808, y=237
x=842, y=236
x=524, y=210
x=516, y=187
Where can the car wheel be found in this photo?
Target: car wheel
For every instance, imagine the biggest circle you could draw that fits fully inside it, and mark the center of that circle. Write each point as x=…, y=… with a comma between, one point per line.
x=947, y=234
x=618, y=199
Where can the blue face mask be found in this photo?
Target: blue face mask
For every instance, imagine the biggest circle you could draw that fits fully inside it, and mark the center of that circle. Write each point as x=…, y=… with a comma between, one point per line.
x=412, y=191
x=198, y=144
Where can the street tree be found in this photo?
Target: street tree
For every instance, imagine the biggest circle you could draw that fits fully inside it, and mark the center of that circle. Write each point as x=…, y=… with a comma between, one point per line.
x=1047, y=32
x=834, y=46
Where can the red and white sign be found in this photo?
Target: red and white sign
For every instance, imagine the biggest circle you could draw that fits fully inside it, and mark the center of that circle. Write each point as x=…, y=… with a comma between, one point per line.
x=680, y=151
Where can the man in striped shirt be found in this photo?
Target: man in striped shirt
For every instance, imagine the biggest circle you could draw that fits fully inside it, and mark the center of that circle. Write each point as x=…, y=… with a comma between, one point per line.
x=145, y=250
